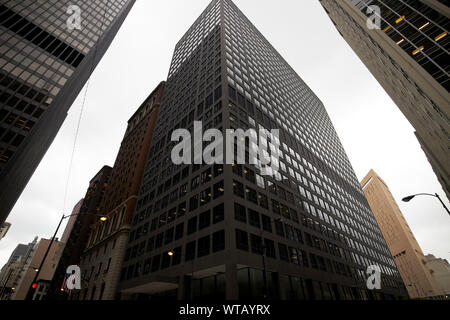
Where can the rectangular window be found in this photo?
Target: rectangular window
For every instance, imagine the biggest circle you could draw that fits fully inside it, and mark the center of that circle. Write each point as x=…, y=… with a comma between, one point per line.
x=217, y=93
x=200, y=109
x=238, y=188
x=169, y=236
x=181, y=209
x=179, y=230
x=206, y=175
x=195, y=182
x=269, y=248
x=190, y=251
x=183, y=190
x=256, y=244
x=147, y=266
x=266, y=223
x=252, y=195
x=208, y=101
x=241, y=240
x=253, y=218
x=193, y=202
x=299, y=236
x=218, y=239
x=162, y=220
x=241, y=100
x=250, y=175
x=203, y=246
x=293, y=255
x=218, y=190
x=239, y=213
x=308, y=239
x=192, y=225
x=232, y=93
x=204, y=220
x=284, y=255
x=313, y=260
x=303, y=258
x=263, y=201
x=237, y=169
x=279, y=228
x=218, y=169
x=205, y=196
x=218, y=213
x=150, y=244
x=276, y=207
x=159, y=240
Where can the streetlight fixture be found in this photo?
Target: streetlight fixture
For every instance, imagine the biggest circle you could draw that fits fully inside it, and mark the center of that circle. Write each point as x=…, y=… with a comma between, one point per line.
x=409, y=198
x=34, y=286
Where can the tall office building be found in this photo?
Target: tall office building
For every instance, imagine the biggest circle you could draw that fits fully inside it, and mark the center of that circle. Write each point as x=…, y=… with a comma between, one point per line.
x=13, y=271
x=45, y=274
x=409, y=57
x=102, y=258
x=77, y=231
x=198, y=230
x=410, y=260
x=45, y=62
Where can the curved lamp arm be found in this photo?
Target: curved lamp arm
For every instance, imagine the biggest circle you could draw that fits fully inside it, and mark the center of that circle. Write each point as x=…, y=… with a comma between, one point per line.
x=409, y=198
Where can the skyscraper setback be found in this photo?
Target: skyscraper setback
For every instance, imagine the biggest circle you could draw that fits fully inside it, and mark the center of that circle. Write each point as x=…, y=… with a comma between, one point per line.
x=226, y=231
x=408, y=55
x=43, y=66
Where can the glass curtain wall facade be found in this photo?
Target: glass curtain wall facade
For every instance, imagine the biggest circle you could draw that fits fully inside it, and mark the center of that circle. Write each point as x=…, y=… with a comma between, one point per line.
x=210, y=231
x=408, y=55
x=416, y=27
x=43, y=66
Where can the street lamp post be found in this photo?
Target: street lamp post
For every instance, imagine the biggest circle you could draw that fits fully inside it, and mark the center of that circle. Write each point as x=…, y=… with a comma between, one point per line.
x=38, y=270
x=409, y=198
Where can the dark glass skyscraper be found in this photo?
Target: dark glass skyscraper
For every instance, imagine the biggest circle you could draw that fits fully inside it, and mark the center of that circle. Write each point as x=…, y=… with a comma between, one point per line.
x=408, y=55
x=45, y=61
x=209, y=231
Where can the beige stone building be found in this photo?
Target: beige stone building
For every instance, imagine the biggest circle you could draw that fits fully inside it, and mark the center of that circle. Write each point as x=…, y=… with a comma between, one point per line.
x=441, y=272
x=46, y=273
x=410, y=260
x=13, y=271
x=408, y=55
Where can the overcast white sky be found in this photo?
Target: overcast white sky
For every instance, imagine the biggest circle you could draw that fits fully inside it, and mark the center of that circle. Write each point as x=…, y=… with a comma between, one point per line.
x=373, y=131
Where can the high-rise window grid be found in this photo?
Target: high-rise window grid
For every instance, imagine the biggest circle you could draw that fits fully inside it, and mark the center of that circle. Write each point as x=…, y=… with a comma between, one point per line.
x=39, y=55
x=315, y=192
x=420, y=30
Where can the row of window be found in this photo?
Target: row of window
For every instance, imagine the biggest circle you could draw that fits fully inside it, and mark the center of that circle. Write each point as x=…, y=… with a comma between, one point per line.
x=257, y=245
x=197, y=223
x=197, y=248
